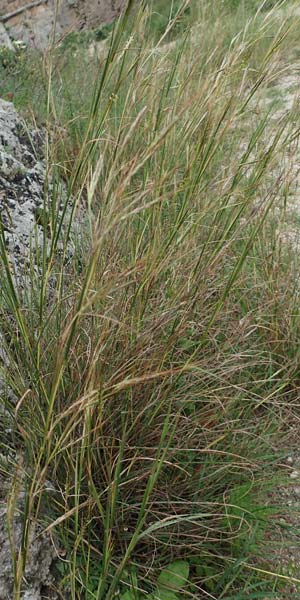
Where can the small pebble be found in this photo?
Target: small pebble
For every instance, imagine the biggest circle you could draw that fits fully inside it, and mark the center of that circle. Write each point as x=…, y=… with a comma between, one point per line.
x=49, y=487
x=294, y=475
x=289, y=460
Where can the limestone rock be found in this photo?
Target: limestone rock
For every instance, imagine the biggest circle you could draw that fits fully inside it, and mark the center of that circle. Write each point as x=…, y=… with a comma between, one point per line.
x=41, y=555
x=22, y=176
x=22, y=186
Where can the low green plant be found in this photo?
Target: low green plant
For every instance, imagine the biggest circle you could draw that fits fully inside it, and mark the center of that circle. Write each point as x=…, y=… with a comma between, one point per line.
x=10, y=58
x=169, y=585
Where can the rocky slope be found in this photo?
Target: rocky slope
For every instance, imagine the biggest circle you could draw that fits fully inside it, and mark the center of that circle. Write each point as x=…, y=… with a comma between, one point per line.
x=33, y=21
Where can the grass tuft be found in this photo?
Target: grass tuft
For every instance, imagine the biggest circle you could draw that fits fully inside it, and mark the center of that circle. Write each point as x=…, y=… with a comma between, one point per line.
x=154, y=363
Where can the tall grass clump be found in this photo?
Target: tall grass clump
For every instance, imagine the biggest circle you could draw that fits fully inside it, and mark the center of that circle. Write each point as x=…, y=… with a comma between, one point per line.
x=145, y=352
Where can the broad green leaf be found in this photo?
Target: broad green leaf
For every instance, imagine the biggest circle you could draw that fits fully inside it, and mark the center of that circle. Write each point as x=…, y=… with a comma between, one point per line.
x=174, y=576
x=164, y=594
x=130, y=595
